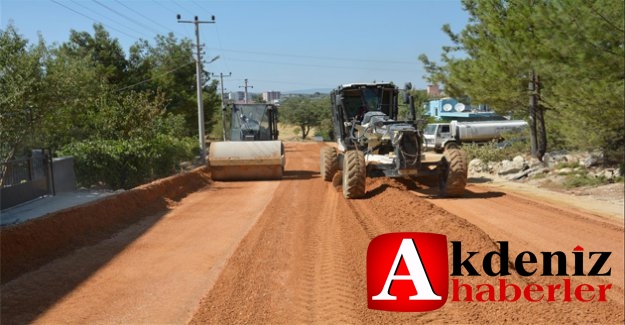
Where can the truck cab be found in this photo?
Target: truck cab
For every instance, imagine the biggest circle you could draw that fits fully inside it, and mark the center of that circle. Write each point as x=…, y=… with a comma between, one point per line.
x=436, y=135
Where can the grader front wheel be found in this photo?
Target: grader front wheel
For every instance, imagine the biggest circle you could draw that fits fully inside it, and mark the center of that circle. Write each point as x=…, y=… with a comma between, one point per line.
x=329, y=163
x=354, y=174
x=453, y=172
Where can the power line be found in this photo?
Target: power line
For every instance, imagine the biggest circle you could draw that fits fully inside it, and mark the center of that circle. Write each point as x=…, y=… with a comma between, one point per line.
x=220, y=46
x=183, y=8
x=285, y=82
x=317, y=57
x=145, y=17
x=317, y=65
x=124, y=16
x=223, y=104
x=105, y=17
x=246, y=86
x=198, y=63
x=198, y=5
x=157, y=76
x=184, y=31
x=94, y=20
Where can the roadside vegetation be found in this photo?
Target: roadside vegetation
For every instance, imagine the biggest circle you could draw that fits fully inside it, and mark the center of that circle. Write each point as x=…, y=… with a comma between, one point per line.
x=131, y=117
x=566, y=56
x=308, y=112
x=126, y=118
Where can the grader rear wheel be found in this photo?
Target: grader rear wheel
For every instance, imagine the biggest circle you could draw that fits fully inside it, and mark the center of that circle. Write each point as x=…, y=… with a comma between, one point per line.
x=329, y=164
x=453, y=172
x=354, y=174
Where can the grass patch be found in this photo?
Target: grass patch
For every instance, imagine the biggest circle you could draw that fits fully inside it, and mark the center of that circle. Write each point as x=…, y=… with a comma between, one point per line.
x=494, y=151
x=580, y=180
x=571, y=165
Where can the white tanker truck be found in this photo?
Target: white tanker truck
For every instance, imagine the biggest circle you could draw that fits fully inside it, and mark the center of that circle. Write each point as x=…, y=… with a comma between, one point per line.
x=438, y=135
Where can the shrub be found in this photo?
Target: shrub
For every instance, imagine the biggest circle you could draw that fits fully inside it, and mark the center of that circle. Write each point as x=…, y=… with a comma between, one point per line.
x=127, y=163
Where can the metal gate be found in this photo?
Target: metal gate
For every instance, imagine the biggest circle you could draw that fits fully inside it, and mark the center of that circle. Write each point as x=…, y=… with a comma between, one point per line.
x=26, y=179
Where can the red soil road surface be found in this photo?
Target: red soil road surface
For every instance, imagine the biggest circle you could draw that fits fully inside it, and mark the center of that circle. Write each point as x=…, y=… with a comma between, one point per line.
x=294, y=251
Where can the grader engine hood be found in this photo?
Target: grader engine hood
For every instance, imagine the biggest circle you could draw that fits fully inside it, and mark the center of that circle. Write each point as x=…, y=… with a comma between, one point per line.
x=391, y=145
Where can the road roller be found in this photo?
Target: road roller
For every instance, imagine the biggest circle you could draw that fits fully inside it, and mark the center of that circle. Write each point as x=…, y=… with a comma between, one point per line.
x=251, y=149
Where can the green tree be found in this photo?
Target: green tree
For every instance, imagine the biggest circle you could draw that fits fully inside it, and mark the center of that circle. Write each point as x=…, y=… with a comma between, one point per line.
x=306, y=112
x=72, y=91
x=21, y=84
x=133, y=140
x=586, y=60
x=497, y=60
x=105, y=53
x=125, y=121
x=169, y=66
x=574, y=48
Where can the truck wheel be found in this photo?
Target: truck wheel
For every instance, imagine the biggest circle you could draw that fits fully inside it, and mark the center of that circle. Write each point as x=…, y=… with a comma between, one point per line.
x=451, y=145
x=354, y=174
x=329, y=163
x=453, y=170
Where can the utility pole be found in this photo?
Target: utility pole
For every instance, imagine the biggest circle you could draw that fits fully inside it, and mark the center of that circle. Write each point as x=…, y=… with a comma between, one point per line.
x=198, y=72
x=223, y=104
x=246, y=86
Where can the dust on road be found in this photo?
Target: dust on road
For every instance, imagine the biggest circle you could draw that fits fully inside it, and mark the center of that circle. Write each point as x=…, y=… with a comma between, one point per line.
x=301, y=258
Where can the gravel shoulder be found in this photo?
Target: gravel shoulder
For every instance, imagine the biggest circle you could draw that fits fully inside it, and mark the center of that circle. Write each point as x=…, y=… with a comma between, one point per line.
x=606, y=200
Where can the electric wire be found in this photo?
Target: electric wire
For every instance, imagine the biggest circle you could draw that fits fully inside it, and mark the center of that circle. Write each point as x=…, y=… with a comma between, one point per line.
x=284, y=82
x=94, y=20
x=183, y=8
x=145, y=17
x=126, y=17
x=152, y=78
x=223, y=57
x=317, y=65
x=105, y=17
x=317, y=57
x=184, y=31
x=198, y=5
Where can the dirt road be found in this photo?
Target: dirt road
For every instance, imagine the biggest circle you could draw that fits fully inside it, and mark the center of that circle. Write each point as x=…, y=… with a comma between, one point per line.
x=294, y=252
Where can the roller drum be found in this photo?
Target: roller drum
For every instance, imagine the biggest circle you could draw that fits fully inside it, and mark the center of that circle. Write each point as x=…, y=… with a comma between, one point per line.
x=243, y=160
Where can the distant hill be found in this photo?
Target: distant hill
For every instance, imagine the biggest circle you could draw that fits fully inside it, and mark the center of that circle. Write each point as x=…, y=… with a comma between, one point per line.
x=309, y=91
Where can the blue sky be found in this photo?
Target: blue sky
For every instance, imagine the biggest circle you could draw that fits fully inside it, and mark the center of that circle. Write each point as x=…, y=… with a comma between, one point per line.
x=276, y=45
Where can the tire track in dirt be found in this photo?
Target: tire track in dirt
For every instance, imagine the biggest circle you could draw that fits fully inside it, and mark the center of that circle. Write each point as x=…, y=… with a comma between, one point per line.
x=301, y=237
x=537, y=227
x=329, y=299
x=317, y=241
x=421, y=215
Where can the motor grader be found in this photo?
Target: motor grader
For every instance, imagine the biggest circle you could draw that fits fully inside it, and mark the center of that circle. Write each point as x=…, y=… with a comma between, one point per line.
x=253, y=151
x=371, y=142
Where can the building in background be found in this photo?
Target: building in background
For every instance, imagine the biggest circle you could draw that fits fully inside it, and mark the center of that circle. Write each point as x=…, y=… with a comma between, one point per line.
x=271, y=96
x=433, y=91
x=236, y=96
